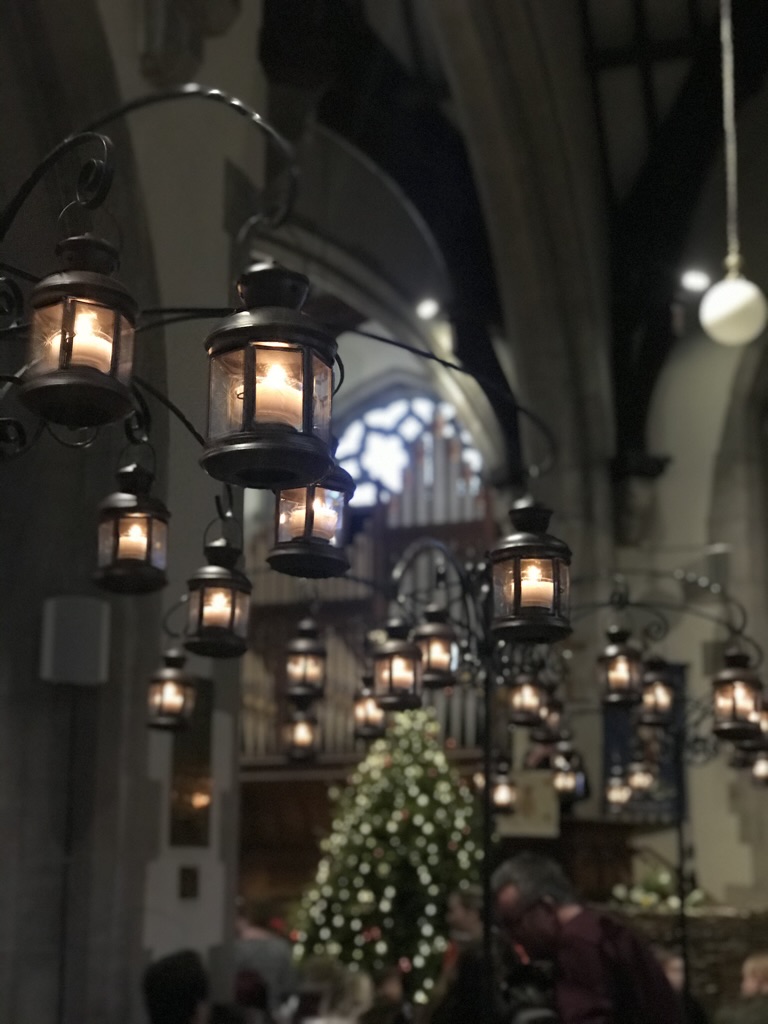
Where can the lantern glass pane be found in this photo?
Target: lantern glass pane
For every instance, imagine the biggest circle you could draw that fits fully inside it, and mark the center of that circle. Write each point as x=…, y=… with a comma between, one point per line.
x=225, y=398
x=368, y=712
x=132, y=537
x=305, y=668
x=301, y=735
x=106, y=536
x=736, y=701
x=279, y=386
x=537, y=583
x=657, y=697
x=526, y=697
x=125, y=356
x=159, y=556
x=167, y=698
x=438, y=654
x=564, y=571
x=328, y=522
x=88, y=326
x=394, y=674
x=45, y=338
x=292, y=515
x=217, y=607
x=622, y=673
x=321, y=412
x=504, y=587
x=242, y=607
x=193, y=611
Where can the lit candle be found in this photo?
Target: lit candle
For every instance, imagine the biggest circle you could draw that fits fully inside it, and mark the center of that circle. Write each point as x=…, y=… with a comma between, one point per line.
x=302, y=734
x=526, y=698
x=503, y=795
x=564, y=780
x=304, y=668
x=368, y=712
x=619, y=673
x=323, y=524
x=535, y=591
x=172, y=698
x=217, y=608
x=90, y=345
x=132, y=541
x=658, y=697
x=439, y=655
x=402, y=673
x=760, y=767
x=277, y=401
x=199, y=800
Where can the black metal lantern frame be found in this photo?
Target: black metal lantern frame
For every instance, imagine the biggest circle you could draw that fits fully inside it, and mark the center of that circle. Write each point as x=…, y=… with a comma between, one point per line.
x=132, y=535
x=439, y=645
x=657, y=695
x=370, y=719
x=397, y=670
x=503, y=789
x=527, y=698
x=531, y=579
x=271, y=387
x=620, y=668
x=171, y=694
x=305, y=663
x=737, y=695
x=312, y=527
x=302, y=735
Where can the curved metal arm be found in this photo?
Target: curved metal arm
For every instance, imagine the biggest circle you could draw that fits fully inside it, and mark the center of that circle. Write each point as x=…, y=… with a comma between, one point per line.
x=94, y=180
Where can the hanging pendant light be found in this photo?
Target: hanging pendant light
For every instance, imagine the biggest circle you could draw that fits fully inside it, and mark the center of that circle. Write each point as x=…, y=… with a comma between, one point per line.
x=760, y=768
x=436, y=639
x=305, y=661
x=370, y=719
x=171, y=694
x=219, y=598
x=657, y=695
x=733, y=311
x=531, y=579
x=503, y=790
x=271, y=387
x=302, y=736
x=617, y=790
x=311, y=528
x=642, y=776
x=133, y=536
x=527, y=697
x=81, y=339
x=620, y=669
x=737, y=693
x=397, y=670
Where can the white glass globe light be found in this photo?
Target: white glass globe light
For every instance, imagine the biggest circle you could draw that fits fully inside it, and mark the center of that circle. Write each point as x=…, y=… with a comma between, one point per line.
x=734, y=311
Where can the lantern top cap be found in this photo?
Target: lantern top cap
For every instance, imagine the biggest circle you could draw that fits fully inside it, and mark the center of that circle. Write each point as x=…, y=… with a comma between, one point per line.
x=223, y=553
x=267, y=283
x=397, y=629
x=135, y=479
x=618, y=634
x=88, y=252
x=734, y=658
x=530, y=516
x=436, y=612
x=174, y=658
x=308, y=628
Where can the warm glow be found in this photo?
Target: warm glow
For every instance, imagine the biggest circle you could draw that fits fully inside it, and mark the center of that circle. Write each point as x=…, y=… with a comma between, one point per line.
x=217, y=608
x=503, y=796
x=323, y=525
x=402, y=673
x=302, y=734
x=90, y=345
x=640, y=779
x=439, y=655
x=526, y=698
x=536, y=591
x=368, y=712
x=619, y=673
x=172, y=698
x=760, y=768
x=657, y=697
x=278, y=399
x=736, y=700
x=618, y=792
x=427, y=309
x=304, y=668
x=132, y=541
x=200, y=800
x=564, y=780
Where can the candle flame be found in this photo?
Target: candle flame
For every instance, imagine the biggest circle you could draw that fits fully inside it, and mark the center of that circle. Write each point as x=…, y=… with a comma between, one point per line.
x=276, y=376
x=532, y=573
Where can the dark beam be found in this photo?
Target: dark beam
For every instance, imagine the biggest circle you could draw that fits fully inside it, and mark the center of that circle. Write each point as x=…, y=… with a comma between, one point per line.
x=626, y=56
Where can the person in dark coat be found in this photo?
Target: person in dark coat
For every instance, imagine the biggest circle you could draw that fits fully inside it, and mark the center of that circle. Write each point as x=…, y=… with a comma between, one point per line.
x=674, y=970
x=752, y=1008
x=176, y=990
x=602, y=972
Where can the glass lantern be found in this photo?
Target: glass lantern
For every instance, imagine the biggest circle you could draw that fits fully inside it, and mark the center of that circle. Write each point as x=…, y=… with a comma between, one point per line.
x=527, y=699
x=133, y=536
x=397, y=670
x=760, y=768
x=436, y=639
x=81, y=339
x=503, y=790
x=370, y=720
x=620, y=669
x=549, y=728
x=657, y=694
x=218, y=603
x=171, y=694
x=531, y=579
x=641, y=776
x=311, y=528
x=270, y=387
x=617, y=790
x=302, y=736
x=736, y=699
x=305, y=661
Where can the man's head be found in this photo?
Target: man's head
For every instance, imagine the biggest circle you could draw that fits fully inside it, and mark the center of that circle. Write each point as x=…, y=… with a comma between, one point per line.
x=176, y=990
x=533, y=900
x=465, y=913
x=754, y=975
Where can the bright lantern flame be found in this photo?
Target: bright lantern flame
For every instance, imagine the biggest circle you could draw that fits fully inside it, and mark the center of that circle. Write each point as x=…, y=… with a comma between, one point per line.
x=532, y=573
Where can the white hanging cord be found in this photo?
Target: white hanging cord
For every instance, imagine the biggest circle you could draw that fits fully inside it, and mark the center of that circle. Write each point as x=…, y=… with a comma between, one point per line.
x=733, y=259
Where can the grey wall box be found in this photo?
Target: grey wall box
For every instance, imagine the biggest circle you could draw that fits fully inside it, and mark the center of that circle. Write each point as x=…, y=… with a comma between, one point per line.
x=75, y=641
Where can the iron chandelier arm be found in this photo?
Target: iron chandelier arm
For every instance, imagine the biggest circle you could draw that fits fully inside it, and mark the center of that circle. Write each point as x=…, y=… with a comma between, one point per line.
x=172, y=408
x=93, y=183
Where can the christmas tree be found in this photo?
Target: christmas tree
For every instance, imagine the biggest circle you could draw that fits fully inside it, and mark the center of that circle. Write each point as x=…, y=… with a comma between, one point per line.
x=405, y=834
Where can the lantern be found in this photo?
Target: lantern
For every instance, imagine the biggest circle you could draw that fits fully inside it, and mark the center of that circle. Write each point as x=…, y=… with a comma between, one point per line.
x=171, y=694
x=736, y=692
x=397, y=670
x=305, y=660
x=569, y=778
x=620, y=669
x=531, y=579
x=311, y=528
x=760, y=768
x=270, y=387
x=218, y=604
x=641, y=776
x=133, y=536
x=302, y=737
x=369, y=718
x=617, y=790
x=81, y=339
x=527, y=698
x=503, y=790
x=436, y=639
x=657, y=695
x=549, y=727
